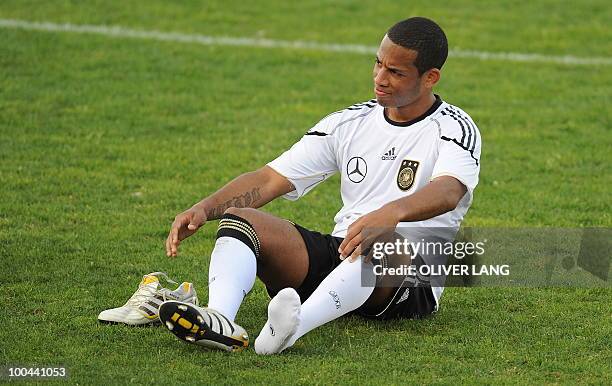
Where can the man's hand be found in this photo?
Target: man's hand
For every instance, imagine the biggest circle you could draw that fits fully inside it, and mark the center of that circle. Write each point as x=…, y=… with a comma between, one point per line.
x=184, y=225
x=441, y=195
x=377, y=223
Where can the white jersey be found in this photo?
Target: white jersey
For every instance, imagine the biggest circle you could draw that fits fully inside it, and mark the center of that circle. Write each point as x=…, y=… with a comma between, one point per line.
x=381, y=161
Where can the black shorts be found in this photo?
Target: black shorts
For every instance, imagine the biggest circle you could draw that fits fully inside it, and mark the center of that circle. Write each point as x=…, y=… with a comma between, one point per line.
x=407, y=302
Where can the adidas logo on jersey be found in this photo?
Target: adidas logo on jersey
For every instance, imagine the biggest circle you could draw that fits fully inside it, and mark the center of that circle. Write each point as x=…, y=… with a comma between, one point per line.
x=389, y=155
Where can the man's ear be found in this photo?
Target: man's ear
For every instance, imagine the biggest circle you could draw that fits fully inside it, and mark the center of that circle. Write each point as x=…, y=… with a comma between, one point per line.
x=431, y=77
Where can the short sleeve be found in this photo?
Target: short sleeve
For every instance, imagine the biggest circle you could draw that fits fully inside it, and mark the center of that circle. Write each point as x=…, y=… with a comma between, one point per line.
x=310, y=161
x=459, y=150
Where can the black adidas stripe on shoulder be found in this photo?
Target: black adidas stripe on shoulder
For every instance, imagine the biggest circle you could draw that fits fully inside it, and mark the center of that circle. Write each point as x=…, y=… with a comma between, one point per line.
x=467, y=127
x=370, y=103
x=468, y=131
x=470, y=125
x=317, y=133
x=464, y=127
x=357, y=106
x=453, y=140
x=320, y=133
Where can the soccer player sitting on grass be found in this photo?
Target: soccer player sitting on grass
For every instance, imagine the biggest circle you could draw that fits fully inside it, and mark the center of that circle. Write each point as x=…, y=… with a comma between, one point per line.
x=406, y=159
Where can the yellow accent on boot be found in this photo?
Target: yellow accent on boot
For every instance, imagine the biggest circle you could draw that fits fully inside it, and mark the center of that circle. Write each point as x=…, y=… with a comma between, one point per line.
x=185, y=323
x=148, y=279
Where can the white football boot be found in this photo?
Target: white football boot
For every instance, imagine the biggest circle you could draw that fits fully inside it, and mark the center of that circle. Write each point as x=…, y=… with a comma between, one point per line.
x=143, y=307
x=203, y=326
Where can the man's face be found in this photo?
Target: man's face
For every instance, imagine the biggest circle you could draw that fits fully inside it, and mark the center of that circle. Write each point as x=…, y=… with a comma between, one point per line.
x=396, y=80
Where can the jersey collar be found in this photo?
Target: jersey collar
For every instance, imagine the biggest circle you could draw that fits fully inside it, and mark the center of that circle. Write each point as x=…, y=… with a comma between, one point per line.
x=427, y=113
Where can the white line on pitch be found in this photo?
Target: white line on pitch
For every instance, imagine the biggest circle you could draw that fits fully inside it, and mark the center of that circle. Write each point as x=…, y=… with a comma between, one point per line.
x=121, y=32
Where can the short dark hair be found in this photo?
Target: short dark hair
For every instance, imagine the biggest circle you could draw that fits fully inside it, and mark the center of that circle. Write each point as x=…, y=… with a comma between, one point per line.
x=423, y=36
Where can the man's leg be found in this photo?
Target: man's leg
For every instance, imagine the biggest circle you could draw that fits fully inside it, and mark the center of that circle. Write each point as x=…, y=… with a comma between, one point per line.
x=248, y=238
x=339, y=293
x=251, y=242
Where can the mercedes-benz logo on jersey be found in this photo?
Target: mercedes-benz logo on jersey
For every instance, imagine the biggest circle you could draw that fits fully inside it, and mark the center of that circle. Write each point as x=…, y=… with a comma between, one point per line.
x=406, y=174
x=356, y=169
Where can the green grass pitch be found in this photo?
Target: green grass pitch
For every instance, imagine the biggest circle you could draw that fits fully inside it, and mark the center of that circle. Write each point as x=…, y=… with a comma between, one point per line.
x=104, y=140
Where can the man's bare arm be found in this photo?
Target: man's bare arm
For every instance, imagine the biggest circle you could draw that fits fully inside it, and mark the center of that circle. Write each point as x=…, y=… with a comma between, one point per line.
x=249, y=190
x=438, y=197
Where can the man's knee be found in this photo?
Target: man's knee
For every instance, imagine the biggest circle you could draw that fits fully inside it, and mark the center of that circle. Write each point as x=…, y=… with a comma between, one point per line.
x=379, y=298
x=246, y=213
x=235, y=223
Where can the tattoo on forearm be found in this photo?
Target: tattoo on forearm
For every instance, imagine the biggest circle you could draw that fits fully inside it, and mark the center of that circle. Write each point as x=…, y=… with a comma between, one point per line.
x=246, y=200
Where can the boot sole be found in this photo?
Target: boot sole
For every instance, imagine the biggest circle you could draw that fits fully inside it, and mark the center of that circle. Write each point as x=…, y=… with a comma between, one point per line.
x=187, y=324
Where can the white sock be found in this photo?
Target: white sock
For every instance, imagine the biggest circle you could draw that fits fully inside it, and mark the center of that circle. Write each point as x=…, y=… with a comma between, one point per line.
x=340, y=293
x=283, y=321
x=231, y=275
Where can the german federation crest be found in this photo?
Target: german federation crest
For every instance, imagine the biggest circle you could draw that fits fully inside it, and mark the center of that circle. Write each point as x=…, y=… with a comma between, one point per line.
x=406, y=174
